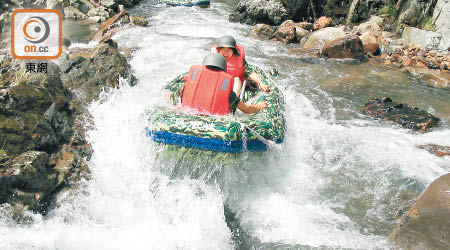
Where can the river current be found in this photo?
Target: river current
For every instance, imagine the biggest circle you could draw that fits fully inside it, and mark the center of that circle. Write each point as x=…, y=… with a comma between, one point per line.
x=336, y=182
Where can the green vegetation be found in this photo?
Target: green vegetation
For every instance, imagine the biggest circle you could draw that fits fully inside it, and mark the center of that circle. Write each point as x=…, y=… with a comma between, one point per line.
x=388, y=10
x=427, y=24
x=3, y=155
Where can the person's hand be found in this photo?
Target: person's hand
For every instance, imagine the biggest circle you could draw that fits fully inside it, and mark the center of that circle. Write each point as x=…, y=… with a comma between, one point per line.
x=262, y=105
x=183, y=78
x=263, y=87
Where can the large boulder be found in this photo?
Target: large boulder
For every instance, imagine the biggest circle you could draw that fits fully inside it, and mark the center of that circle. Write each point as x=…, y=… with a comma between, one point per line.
x=322, y=22
x=422, y=38
x=262, y=31
x=370, y=43
x=401, y=114
x=34, y=109
x=286, y=32
x=36, y=121
x=346, y=47
x=370, y=26
x=272, y=12
x=411, y=12
x=26, y=181
x=427, y=224
x=441, y=17
x=301, y=33
x=318, y=38
x=89, y=76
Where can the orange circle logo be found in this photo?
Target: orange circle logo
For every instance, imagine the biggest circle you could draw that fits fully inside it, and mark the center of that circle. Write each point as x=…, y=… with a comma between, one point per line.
x=36, y=29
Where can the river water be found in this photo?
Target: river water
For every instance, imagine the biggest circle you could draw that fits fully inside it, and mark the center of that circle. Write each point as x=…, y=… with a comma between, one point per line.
x=336, y=182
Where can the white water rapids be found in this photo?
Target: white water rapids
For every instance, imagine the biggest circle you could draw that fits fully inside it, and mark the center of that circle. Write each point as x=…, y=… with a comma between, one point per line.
x=334, y=184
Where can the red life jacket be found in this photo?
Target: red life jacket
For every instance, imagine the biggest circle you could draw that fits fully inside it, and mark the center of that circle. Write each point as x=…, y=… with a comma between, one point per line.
x=207, y=90
x=235, y=64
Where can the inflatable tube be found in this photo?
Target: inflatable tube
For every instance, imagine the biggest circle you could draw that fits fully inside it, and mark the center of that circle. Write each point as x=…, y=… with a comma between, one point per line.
x=226, y=133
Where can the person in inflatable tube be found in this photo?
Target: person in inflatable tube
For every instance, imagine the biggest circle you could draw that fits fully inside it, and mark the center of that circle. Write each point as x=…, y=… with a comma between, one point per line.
x=209, y=89
x=236, y=63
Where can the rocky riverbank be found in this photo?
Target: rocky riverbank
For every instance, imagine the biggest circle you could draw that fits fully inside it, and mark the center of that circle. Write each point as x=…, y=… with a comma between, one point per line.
x=404, y=34
x=44, y=116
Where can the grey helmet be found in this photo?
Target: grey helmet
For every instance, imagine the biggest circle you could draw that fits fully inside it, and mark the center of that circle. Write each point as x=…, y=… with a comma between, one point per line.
x=215, y=61
x=226, y=42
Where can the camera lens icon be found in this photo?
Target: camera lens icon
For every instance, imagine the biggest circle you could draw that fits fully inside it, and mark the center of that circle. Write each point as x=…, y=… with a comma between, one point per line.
x=36, y=29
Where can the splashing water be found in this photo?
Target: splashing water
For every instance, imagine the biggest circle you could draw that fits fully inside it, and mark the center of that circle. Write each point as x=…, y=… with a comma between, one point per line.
x=336, y=182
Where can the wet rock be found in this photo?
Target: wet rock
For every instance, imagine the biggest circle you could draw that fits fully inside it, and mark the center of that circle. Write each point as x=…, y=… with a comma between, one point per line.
x=262, y=31
x=43, y=118
x=305, y=25
x=102, y=12
x=69, y=165
x=418, y=57
x=38, y=113
x=25, y=180
x=322, y=22
x=301, y=33
x=434, y=78
x=371, y=27
x=272, y=12
x=286, y=32
x=437, y=150
x=401, y=114
x=318, y=38
x=370, y=44
x=102, y=69
x=305, y=53
x=66, y=42
x=346, y=47
x=34, y=109
x=427, y=224
x=139, y=21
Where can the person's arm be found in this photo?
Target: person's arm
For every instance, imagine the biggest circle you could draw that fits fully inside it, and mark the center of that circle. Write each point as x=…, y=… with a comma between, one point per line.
x=174, y=89
x=257, y=79
x=251, y=108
